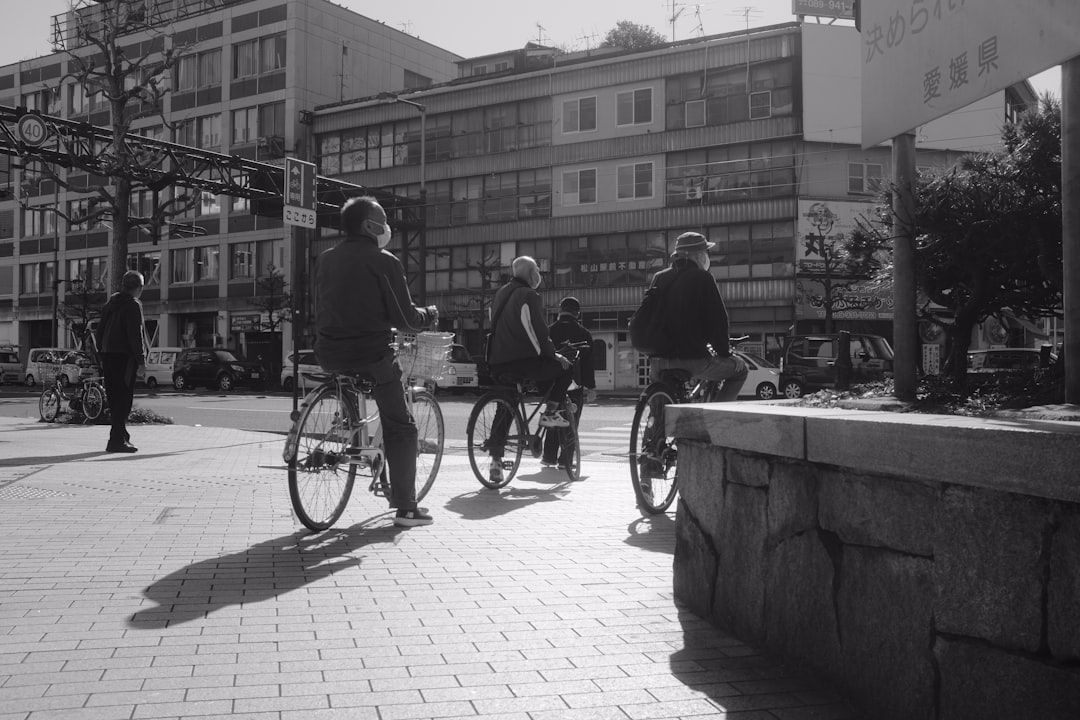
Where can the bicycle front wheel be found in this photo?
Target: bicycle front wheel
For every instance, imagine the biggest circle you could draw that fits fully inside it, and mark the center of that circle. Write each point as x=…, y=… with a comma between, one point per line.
x=496, y=439
x=320, y=475
x=49, y=405
x=93, y=402
x=653, y=455
x=430, y=441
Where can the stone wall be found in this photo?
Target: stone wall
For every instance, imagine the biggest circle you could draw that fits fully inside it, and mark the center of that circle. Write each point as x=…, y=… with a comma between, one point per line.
x=929, y=567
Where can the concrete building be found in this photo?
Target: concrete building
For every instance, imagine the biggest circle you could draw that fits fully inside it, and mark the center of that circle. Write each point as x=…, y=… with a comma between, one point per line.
x=250, y=72
x=594, y=162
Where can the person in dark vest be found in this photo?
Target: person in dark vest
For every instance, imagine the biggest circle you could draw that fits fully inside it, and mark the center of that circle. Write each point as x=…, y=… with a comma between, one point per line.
x=122, y=356
x=567, y=328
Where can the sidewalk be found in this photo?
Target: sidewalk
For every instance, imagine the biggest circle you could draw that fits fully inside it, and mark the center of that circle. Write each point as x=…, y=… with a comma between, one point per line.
x=175, y=583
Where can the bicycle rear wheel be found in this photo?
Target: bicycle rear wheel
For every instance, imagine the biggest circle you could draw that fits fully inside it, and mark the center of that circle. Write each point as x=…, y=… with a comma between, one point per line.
x=320, y=475
x=93, y=402
x=570, y=450
x=49, y=404
x=494, y=415
x=653, y=455
x=430, y=441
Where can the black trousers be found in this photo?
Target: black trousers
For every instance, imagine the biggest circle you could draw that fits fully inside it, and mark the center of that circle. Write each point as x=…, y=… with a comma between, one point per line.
x=118, y=371
x=550, y=379
x=553, y=438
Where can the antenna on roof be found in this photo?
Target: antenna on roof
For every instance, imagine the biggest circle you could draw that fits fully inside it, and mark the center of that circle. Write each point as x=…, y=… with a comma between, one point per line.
x=676, y=11
x=540, y=29
x=700, y=29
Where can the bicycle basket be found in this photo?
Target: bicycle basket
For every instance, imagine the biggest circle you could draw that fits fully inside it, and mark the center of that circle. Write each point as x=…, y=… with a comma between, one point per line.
x=422, y=356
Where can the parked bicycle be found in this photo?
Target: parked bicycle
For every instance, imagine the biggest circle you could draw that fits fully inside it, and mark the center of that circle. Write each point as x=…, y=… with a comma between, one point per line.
x=88, y=398
x=336, y=431
x=653, y=452
x=503, y=412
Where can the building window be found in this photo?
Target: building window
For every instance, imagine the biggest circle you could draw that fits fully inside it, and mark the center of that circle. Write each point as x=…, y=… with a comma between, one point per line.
x=695, y=113
x=92, y=271
x=579, y=187
x=36, y=278
x=579, y=115
x=198, y=71
x=242, y=261
x=207, y=263
x=209, y=205
x=864, y=178
x=416, y=81
x=501, y=66
x=149, y=264
x=38, y=222
x=250, y=124
x=181, y=260
x=272, y=53
x=203, y=132
x=43, y=101
x=634, y=108
x=731, y=172
x=760, y=105
x=635, y=181
x=269, y=257
x=245, y=59
x=80, y=212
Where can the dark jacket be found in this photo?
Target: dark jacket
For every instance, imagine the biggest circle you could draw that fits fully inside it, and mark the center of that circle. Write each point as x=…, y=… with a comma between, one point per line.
x=360, y=296
x=568, y=329
x=120, y=329
x=521, y=330
x=695, y=311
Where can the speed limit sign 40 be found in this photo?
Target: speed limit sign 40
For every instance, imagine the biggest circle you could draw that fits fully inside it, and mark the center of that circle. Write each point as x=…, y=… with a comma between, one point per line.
x=32, y=130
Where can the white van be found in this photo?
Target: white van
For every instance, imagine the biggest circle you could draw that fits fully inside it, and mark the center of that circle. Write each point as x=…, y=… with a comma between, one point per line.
x=159, y=366
x=11, y=369
x=42, y=365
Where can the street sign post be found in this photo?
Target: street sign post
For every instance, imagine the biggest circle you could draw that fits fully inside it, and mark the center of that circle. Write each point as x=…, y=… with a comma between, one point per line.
x=32, y=130
x=299, y=205
x=922, y=59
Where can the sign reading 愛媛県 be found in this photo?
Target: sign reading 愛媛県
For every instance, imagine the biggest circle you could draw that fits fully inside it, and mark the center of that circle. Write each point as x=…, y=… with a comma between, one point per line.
x=299, y=193
x=922, y=59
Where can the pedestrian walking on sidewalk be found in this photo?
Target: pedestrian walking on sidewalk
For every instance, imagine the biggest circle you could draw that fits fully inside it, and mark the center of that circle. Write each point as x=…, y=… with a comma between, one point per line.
x=122, y=356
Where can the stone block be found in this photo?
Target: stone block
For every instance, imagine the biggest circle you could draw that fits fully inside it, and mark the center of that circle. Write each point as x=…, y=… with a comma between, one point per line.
x=1063, y=596
x=878, y=511
x=751, y=427
x=979, y=681
x=800, y=612
x=694, y=571
x=746, y=469
x=740, y=582
x=701, y=483
x=792, y=500
x=885, y=624
x=989, y=566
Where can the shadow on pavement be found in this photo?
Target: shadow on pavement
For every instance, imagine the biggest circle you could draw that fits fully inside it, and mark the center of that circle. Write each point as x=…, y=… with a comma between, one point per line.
x=48, y=459
x=655, y=533
x=269, y=569
x=485, y=504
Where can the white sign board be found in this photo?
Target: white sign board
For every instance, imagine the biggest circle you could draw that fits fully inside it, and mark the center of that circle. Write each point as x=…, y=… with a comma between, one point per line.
x=922, y=59
x=299, y=193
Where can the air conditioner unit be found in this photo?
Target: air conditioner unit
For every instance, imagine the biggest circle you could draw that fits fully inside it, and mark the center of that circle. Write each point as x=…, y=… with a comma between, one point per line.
x=696, y=190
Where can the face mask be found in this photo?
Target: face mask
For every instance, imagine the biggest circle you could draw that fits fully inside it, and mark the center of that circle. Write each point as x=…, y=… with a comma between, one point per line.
x=706, y=263
x=384, y=237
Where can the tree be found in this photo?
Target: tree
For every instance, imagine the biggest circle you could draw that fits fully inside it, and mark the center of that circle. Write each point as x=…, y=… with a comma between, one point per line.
x=130, y=80
x=81, y=306
x=988, y=234
x=631, y=36
x=272, y=299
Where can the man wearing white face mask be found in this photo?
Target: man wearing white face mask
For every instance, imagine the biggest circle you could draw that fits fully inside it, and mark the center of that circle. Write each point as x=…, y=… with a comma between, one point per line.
x=696, y=317
x=361, y=295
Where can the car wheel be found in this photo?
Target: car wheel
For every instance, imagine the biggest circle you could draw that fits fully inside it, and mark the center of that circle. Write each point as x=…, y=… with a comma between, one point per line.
x=766, y=391
x=151, y=382
x=225, y=382
x=29, y=380
x=793, y=389
x=287, y=385
x=179, y=382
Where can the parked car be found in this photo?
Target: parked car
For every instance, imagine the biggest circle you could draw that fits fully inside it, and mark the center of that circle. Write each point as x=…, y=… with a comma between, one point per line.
x=1008, y=361
x=42, y=365
x=159, y=365
x=214, y=368
x=762, y=378
x=308, y=364
x=77, y=365
x=460, y=373
x=11, y=370
x=808, y=362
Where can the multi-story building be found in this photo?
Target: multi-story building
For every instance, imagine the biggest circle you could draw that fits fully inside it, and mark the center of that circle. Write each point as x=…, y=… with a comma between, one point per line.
x=593, y=162
x=250, y=72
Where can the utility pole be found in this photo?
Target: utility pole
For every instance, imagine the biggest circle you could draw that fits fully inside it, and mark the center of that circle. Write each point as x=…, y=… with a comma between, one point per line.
x=906, y=359
x=1070, y=220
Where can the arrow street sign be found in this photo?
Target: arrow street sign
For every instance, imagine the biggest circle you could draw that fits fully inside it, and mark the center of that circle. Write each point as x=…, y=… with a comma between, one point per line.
x=299, y=193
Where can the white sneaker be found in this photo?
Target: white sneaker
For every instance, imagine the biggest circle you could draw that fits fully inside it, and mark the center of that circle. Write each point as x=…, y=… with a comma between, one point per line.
x=554, y=419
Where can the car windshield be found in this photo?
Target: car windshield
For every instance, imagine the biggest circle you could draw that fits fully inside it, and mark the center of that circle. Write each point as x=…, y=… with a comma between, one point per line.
x=226, y=356
x=759, y=361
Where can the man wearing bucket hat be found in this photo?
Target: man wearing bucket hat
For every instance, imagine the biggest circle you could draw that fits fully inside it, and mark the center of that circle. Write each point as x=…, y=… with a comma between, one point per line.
x=696, y=319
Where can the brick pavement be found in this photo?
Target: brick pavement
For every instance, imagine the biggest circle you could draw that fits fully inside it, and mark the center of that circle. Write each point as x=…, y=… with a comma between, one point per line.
x=175, y=583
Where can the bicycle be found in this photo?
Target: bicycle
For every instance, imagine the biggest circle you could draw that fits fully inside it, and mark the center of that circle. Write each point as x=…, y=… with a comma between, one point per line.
x=503, y=410
x=88, y=397
x=653, y=453
x=334, y=433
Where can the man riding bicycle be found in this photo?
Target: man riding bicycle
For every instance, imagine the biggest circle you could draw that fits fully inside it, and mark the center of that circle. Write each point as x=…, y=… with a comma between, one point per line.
x=361, y=295
x=696, y=320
